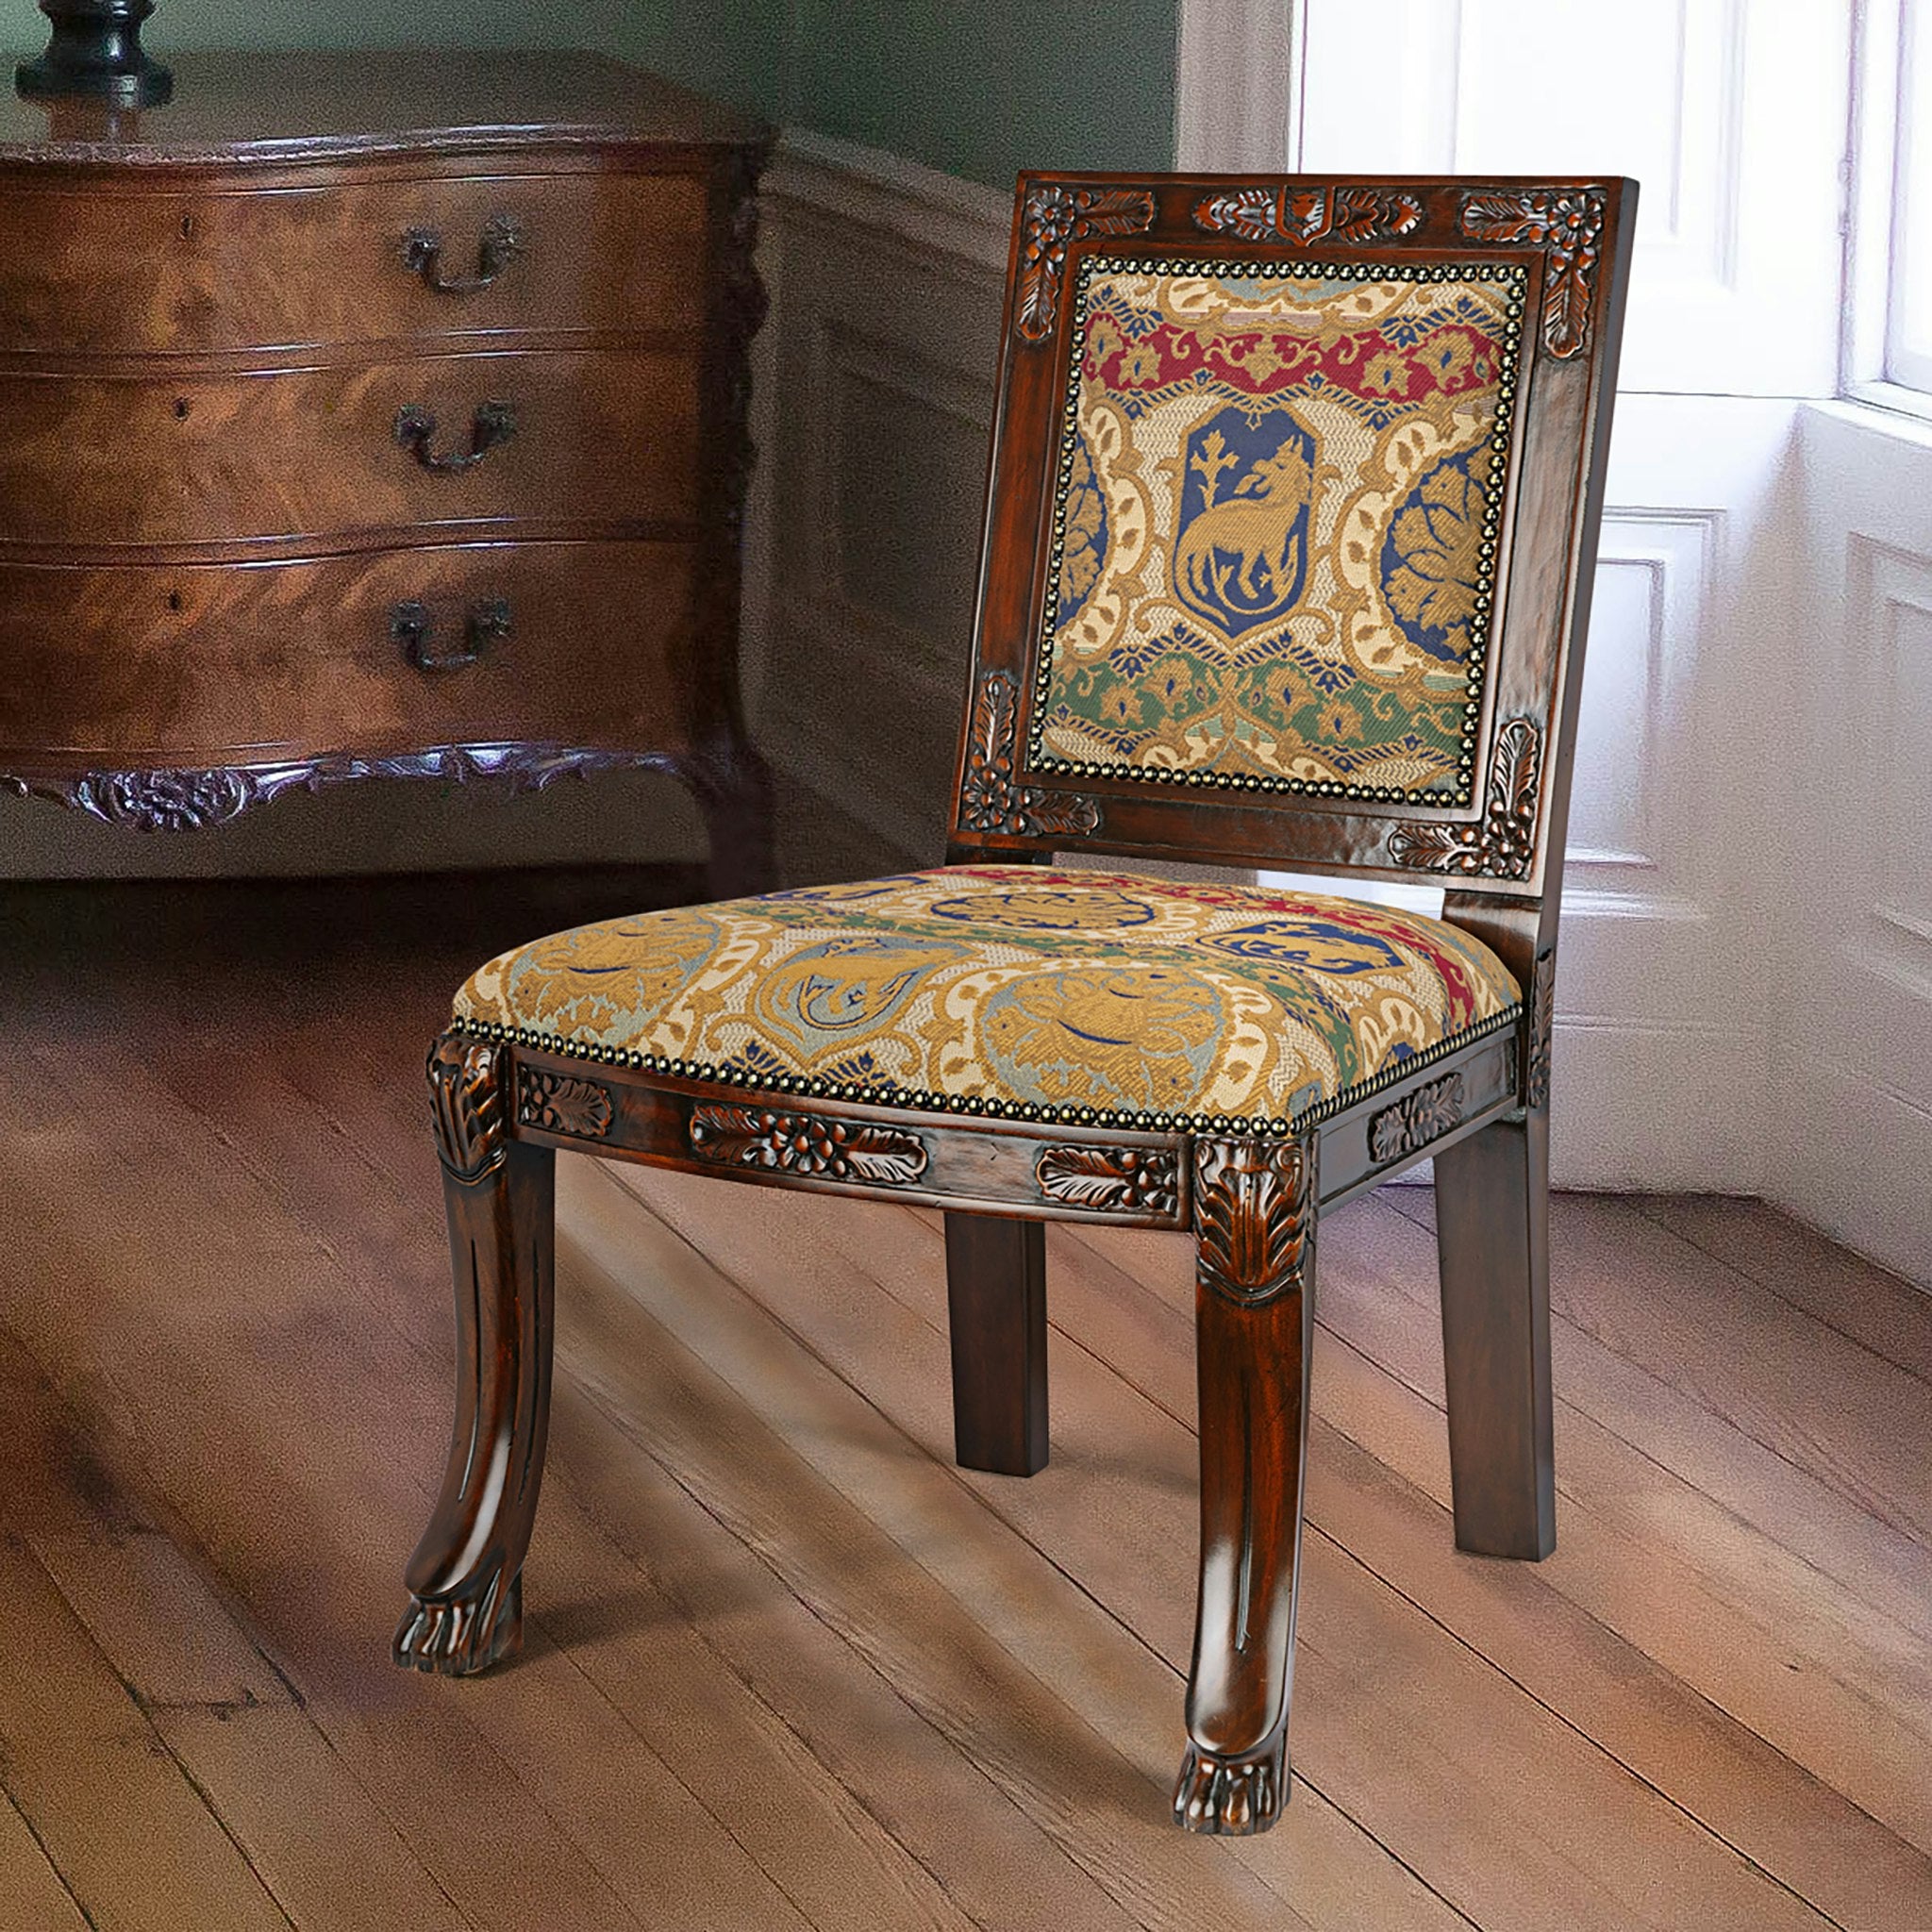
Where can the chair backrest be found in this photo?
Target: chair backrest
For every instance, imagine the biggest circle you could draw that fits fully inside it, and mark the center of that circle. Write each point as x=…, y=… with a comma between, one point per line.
x=1292, y=522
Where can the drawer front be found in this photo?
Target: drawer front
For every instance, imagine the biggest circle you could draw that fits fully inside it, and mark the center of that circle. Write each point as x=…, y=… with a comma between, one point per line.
x=133, y=667
x=609, y=436
x=112, y=269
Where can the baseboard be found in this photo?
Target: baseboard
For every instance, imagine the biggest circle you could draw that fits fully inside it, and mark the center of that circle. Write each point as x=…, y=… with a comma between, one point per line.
x=1858, y=1165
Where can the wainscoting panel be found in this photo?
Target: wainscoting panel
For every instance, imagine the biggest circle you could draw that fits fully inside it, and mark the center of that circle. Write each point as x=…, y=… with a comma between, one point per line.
x=875, y=419
x=1855, y=1065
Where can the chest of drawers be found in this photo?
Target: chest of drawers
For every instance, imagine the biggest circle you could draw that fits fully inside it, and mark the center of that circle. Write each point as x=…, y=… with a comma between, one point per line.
x=376, y=415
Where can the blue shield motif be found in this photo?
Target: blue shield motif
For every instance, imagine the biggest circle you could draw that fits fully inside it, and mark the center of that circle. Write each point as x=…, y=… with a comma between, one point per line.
x=1240, y=551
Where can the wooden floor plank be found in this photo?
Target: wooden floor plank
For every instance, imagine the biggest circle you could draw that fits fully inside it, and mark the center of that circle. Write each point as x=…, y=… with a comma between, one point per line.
x=1785, y=1379
x=320, y=1842
x=32, y=1897
x=1819, y=1403
x=1876, y=1308
x=780, y=1633
x=1379, y=1485
x=979, y=1631
x=1451, y=1725
x=702, y=1653
x=319, y=1567
x=1762, y=1531
x=117, y=1815
x=1701, y=1592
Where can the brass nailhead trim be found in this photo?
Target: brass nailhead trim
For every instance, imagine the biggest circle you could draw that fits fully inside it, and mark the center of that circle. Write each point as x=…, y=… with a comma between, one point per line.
x=915, y=1100
x=1039, y=759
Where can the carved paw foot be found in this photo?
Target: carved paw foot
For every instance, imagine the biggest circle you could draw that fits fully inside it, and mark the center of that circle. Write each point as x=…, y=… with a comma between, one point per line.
x=1232, y=1797
x=458, y=1637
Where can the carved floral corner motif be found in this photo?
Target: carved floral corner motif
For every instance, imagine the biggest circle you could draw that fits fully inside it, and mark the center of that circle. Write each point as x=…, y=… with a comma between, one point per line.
x=1501, y=844
x=1309, y=215
x=1567, y=224
x=1054, y=216
x=1254, y=1216
x=989, y=798
x=563, y=1104
x=1126, y=1180
x=807, y=1143
x=1539, y=1027
x=1415, y=1120
x=467, y=1096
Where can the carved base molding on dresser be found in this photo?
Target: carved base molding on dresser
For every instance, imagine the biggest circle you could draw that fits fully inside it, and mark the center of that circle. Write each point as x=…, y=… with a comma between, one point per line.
x=376, y=416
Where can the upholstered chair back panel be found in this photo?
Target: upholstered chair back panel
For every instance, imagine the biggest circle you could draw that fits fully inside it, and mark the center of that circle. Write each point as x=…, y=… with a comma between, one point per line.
x=1307, y=553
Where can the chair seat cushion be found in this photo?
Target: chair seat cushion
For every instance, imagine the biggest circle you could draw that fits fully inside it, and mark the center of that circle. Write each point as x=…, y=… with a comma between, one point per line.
x=1071, y=996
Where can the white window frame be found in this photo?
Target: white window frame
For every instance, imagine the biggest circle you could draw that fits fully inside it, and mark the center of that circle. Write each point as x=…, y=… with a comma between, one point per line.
x=1874, y=208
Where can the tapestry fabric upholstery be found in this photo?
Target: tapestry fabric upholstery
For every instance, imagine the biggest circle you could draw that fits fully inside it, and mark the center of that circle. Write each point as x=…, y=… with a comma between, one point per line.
x=1279, y=499
x=1072, y=997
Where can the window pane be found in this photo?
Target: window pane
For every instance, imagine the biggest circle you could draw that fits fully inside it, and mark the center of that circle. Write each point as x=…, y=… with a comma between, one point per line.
x=1908, y=339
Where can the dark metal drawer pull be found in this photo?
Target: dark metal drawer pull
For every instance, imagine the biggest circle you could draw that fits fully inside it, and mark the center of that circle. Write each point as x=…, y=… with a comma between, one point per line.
x=411, y=627
x=503, y=237
x=493, y=423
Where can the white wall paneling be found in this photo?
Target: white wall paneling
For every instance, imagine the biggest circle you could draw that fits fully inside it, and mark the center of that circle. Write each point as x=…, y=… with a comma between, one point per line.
x=1669, y=937
x=1731, y=113
x=1854, y=1068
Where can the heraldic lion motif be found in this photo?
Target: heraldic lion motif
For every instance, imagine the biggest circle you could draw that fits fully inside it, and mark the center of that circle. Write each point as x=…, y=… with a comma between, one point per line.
x=1280, y=485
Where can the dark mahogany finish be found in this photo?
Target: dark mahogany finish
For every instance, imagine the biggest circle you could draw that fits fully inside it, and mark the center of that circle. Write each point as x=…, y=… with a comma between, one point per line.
x=996, y=1308
x=375, y=415
x=1253, y=1203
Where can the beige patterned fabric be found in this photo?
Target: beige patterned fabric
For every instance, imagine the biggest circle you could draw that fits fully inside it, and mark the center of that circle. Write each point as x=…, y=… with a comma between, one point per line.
x=1281, y=497
x=1053, y=995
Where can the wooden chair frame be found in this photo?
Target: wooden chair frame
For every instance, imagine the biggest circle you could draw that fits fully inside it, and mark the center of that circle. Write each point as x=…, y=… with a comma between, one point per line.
x=505, y=1102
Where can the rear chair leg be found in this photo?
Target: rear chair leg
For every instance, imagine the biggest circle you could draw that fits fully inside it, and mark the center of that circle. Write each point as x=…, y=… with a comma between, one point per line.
x=465, y=1580
x=996, y=1302
x=1492, y=1219
x=1254, y=1207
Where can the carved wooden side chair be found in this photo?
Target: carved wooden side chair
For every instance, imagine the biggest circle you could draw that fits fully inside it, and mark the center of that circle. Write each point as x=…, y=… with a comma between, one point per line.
x=1289, y=547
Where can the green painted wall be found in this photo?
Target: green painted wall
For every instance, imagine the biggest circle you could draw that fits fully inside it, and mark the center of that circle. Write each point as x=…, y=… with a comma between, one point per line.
x=986, y=89
x=200, y=24
x=980, y=91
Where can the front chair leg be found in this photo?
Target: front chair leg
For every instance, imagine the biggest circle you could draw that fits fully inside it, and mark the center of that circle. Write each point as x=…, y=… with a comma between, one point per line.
x=465, y=1580
x=1255, y=1256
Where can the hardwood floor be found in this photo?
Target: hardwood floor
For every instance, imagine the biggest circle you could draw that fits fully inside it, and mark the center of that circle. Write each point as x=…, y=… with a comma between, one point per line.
x=787, y=1666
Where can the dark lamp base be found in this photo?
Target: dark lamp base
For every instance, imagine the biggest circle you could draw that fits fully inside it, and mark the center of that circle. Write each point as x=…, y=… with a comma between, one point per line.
x=95, y=54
